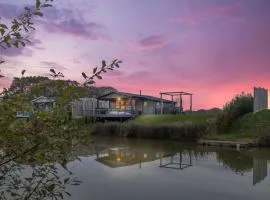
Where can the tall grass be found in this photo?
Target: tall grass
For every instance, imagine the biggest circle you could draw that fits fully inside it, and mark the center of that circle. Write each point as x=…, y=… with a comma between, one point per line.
x=186, y=131
x=237, y=107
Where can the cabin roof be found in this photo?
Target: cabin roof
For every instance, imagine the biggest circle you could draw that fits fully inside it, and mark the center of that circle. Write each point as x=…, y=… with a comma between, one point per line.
x=130, y=95
x=42, y=99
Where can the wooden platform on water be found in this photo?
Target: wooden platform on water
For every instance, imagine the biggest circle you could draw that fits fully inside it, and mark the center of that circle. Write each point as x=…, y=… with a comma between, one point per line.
x=221, y=143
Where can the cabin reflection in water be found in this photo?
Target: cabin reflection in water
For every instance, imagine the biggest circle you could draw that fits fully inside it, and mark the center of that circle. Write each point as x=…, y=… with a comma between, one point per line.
x=125, y=156
x=259, y=170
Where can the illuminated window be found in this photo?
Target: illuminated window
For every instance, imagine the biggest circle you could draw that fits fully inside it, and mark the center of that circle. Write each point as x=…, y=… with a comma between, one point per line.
x=145, y=104
x=118, y=103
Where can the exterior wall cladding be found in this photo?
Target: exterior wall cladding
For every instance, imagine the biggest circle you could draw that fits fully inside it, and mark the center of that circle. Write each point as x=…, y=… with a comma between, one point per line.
x=260, y=99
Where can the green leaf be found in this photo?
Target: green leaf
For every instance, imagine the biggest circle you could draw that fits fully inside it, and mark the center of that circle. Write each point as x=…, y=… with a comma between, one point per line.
x=3, y=26
x=22, y=43
x=2, y=31
x=7, y=38
x=46, y=5
x=114, y=61
x=53, y=71
x=103, y=63
x=51, y=187
x=84, y=75
x=94, y=70
x=68, y=193
x=91, y=82
x=66, y=180
x=38, y=4
x=40, y=14
x=16, y=44
x=23, y=72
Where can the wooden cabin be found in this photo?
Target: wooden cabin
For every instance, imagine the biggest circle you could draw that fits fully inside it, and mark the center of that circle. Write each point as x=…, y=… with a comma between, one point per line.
x=140, y=104
x=43, y=102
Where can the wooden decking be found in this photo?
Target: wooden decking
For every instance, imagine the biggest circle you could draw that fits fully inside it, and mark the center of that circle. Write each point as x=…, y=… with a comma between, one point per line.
x=221, y=143
x=116, y=114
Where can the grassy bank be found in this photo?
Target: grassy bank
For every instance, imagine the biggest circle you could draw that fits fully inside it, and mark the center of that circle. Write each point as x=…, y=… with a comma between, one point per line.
x=157, y=120
x=171, y=127
x=251, y=127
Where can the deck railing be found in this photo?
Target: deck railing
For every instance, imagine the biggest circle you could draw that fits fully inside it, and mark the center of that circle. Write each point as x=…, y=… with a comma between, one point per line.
x=105, y=112
x=108, y=112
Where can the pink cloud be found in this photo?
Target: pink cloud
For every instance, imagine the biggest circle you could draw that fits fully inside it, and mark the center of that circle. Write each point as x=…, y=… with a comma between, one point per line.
x=218, y=10
x=153, y=42
x=76, y=28
x=197, y=15
x=188, y=21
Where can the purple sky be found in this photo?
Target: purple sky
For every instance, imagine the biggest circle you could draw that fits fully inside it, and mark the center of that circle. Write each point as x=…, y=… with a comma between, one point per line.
x=212, y=48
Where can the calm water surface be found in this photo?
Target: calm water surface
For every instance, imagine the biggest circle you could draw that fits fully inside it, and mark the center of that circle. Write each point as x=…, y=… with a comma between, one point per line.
x=134, y=169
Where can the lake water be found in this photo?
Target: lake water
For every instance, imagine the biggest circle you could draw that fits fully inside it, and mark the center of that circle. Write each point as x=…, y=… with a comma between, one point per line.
x=141, y=169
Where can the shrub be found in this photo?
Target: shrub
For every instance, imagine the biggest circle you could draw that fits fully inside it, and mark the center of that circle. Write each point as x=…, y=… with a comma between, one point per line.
x=264, y=139
x=238, y=106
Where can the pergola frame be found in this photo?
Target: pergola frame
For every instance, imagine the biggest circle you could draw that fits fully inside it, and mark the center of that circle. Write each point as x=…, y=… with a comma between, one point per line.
x=174, y=94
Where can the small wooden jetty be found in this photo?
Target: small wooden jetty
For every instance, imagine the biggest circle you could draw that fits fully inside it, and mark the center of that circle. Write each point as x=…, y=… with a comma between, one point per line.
x=221, y=143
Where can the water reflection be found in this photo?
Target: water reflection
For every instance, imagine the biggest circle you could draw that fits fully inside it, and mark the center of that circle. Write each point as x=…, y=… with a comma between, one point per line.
x=159, y=160
x=259, y=170
x=179, y=160
x=177, y=156
x=125, y=156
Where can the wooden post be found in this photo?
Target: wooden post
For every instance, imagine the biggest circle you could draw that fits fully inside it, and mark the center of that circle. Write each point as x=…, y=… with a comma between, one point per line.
x=180, y=159
x=181, y=104
x=172, y=111
x=191, y=103
x=161, y=104
x=142, y=105
x=160, y=159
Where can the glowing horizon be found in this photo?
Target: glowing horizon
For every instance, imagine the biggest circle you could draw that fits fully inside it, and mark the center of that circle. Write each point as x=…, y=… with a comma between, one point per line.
x=214, y=49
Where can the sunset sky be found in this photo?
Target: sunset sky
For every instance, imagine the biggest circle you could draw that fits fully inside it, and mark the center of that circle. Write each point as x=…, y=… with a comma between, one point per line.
x=212, y=48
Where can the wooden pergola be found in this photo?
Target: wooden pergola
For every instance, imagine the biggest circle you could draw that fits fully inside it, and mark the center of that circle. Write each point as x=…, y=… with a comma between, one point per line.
x=173, y=95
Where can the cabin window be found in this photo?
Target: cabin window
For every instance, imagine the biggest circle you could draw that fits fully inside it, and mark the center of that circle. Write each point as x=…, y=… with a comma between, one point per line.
x=133, y=102
x=118, y=103
x=123, y=105
x=145, y=104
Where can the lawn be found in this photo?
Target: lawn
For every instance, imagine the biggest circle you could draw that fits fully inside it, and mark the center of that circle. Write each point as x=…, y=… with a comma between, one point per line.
x=156, y=120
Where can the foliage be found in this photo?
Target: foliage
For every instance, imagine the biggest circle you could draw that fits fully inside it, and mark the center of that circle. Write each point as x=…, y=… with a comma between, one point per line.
x=43, y=143
x=14, y=34
x=44, y=140
x=38, y=182
x=55, y=74
x=237, y=107
x=251, y=127
x=35, y=86
x=97, y=72
x=185, y=131
x=236, y=161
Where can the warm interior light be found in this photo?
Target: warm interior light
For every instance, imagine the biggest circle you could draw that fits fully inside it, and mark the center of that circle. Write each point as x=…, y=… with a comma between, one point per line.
x=118, y=98
x=145, y=155
x=118, y=159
